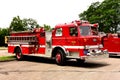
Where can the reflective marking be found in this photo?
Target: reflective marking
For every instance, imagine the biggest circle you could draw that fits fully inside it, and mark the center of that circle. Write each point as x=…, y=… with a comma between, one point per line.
x=74, y=47
x=43, y=46
x=79, y=47
x=94, y=46
x=71, y=47
x=21, y=45
x=27, y=45
x=13, y=45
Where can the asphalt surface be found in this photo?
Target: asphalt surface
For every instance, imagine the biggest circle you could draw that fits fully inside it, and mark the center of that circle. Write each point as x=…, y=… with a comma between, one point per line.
x=5, y=53
x=37, y=68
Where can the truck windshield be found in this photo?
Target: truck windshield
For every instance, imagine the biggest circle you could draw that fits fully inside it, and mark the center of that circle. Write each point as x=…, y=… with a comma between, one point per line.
x=84, y=30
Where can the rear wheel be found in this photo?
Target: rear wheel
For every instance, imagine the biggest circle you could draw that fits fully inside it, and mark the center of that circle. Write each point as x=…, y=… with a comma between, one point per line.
x=19, y=55
x=60, y=57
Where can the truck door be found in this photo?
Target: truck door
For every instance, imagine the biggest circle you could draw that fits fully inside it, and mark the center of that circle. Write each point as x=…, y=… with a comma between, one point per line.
x=73, y=42
x=73, y=37
x=48, y=44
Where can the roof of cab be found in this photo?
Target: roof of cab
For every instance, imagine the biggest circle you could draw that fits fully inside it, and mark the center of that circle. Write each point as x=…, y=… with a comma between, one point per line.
x=65, y=25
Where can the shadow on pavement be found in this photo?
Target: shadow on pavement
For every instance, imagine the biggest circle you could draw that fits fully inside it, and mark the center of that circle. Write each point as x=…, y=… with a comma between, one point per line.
x=72, y=63
x=118, y=57
x=38, y=59
x=87, y=64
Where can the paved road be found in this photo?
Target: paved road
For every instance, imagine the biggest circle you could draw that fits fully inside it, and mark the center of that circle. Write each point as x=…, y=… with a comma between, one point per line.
x=5, y=53
x=36, y=68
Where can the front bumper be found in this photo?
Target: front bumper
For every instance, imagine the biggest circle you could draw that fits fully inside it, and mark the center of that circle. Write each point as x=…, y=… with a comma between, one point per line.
x=96, y=55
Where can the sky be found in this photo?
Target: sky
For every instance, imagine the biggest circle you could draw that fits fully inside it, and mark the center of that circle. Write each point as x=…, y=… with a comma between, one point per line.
x=50, y=12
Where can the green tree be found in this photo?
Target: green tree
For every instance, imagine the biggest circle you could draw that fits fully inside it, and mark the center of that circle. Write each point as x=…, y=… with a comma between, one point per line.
x=30, y=23
x=3, y=32
x=107, y=14
x=47, y=27
x=17, y=24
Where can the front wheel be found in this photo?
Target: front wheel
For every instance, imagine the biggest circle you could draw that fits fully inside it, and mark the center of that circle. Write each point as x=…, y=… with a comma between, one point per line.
x=111, y=55
x=60, y=57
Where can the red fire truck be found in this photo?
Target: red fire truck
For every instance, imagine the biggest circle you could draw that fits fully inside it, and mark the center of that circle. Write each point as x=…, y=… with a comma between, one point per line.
x=111, y=42
x=74, y=40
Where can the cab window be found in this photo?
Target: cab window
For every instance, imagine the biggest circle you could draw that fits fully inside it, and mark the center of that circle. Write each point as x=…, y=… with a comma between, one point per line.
x=73, y=31
x=58, y=32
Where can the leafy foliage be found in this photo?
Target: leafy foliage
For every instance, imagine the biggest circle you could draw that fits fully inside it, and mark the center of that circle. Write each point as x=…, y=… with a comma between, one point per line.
x=107, y=14
x=30, y=23
x=3, y=32
x=18, y=24
x=47, y=27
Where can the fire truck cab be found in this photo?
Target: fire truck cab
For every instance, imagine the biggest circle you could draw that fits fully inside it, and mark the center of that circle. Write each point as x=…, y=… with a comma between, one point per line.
x=73, y=40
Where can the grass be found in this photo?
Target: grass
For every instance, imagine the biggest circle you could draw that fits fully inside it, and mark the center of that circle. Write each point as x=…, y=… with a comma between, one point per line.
x=3, y=48
x=7, y=58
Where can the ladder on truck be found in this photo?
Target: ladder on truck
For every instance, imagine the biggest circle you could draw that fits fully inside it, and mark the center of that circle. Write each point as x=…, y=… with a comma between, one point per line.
x=22, y=39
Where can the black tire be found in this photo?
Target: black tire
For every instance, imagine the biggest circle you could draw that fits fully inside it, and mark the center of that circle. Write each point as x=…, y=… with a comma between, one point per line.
x=19, y=55
x=110, y=55
x=80, y=61
x=60, y=57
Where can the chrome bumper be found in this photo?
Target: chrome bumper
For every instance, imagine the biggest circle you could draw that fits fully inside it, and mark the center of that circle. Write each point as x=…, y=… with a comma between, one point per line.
x=97, y=55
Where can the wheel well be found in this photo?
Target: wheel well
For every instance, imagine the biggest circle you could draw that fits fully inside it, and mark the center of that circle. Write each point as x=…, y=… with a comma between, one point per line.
x=17, y=49
x=55, y=50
